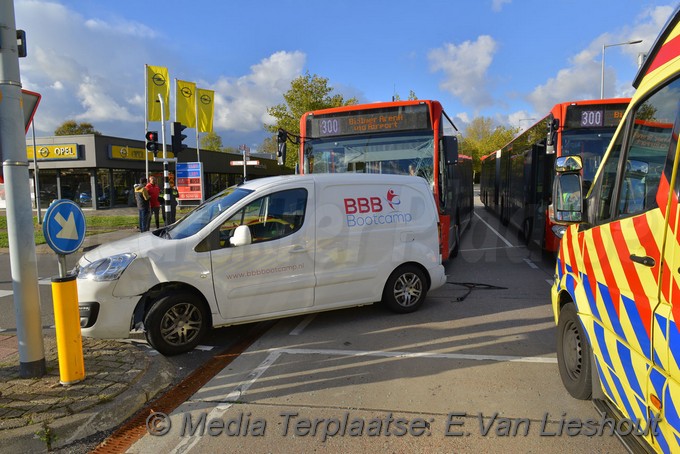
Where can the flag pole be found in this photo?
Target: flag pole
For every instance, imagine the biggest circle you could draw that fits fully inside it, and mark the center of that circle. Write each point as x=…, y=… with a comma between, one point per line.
x=198, y=143
x=146, y=116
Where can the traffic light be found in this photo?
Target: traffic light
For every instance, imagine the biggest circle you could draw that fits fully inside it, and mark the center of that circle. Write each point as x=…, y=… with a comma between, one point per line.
x=152, y=142
x=176, y=129
x=281, y=151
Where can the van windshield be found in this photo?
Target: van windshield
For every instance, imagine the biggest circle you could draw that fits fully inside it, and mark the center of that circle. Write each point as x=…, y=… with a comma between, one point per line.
x=206, y=212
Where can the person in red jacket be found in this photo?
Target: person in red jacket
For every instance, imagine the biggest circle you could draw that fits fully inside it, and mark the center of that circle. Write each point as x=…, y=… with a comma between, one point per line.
x=154, y=200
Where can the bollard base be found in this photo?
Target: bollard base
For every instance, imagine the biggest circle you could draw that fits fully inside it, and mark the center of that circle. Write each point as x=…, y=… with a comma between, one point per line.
x=72, y=382
x=34, y=369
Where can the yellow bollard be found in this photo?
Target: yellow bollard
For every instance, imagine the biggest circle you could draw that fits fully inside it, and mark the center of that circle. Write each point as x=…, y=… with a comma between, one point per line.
x=67, y=325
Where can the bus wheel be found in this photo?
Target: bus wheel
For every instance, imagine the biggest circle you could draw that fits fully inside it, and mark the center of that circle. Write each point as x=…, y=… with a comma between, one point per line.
x=526, y=231
x=176, y=323
x=573, y=354
x=405, y=289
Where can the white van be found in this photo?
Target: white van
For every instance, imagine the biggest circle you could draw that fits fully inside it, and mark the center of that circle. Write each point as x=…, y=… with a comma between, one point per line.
x=272, y=247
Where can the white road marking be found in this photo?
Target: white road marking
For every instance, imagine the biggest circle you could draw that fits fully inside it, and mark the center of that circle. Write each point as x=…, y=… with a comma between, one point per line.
x=6, y=293
x=494, y=231
x=530, y=263
x=302, y=325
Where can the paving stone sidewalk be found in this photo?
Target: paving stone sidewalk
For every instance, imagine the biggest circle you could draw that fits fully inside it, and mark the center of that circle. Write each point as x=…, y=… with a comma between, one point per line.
x=119, y=379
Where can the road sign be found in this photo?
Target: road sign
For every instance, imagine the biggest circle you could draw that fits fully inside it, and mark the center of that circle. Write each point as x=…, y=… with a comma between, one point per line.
x=248, y=163
x=64, y=226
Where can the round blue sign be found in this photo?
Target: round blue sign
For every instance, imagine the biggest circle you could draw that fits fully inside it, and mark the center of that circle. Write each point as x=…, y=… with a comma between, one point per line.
x=64, y=226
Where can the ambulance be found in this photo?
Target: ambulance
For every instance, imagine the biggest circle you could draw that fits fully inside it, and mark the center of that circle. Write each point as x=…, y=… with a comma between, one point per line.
x=269, y=248
x=616, y=293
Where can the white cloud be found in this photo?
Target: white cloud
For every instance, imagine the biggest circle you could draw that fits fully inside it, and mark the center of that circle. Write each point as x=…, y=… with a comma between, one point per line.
x=465, y=69
x=497, y=5
x=581, y=79
x=241, y=104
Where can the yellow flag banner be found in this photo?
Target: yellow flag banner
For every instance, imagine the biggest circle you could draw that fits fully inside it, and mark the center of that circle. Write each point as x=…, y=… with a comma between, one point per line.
x=185, y=103
x=206, y=108
x=157, y=84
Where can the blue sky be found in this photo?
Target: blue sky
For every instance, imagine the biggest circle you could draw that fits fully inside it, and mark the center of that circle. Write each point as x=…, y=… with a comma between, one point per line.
x=505, y=59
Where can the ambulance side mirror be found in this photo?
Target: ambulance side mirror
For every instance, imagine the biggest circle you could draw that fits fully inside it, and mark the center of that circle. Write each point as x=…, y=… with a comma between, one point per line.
x=567, y=200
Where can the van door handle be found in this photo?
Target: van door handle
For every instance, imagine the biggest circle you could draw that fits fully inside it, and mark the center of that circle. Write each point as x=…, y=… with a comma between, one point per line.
x=298, y=249
x=646, y=261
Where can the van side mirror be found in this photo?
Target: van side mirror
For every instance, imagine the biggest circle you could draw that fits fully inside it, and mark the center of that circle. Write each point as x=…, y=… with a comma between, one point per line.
x=450, y=149
x=241, y=236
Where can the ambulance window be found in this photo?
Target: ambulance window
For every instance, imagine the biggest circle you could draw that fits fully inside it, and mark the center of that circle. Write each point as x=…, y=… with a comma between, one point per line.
x=608, y=181
x=269, y=218
x=649, y=144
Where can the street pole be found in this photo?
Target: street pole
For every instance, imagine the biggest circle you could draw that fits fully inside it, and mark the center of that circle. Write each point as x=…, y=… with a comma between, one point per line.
x=604, y=46
x=23, y=260
x=166, y=174
x=35, y=174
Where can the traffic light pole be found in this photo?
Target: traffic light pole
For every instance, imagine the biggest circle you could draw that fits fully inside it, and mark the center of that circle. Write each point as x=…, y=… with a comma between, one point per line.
x=20, y=229
x=166, y=175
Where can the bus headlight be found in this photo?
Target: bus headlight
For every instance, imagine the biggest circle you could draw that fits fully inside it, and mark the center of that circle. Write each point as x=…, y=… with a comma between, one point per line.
x=107, y=269
x=559, y=230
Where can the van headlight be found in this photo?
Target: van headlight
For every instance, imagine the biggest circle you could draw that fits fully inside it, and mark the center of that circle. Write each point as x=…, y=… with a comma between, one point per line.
x=108, y=269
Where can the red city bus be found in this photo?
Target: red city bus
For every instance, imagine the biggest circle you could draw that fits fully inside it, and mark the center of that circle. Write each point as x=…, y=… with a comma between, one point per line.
x=399, y=137
x=516, y=181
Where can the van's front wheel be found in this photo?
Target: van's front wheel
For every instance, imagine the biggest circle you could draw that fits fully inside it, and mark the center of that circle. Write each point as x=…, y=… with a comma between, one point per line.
x=176, y=323
x=405, y=289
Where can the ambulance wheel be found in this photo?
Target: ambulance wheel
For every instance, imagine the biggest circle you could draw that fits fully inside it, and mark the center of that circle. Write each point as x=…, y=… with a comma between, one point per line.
x=405, y=289
x=176, y=323
x=573, y=354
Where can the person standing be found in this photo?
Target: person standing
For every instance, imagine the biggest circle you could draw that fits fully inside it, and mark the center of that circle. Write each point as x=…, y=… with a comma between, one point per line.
x=174, y=196
x=154, y=201
x=142, y=199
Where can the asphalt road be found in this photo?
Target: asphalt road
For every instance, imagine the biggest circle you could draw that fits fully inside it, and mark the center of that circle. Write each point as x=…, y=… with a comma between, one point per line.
x=473, y=371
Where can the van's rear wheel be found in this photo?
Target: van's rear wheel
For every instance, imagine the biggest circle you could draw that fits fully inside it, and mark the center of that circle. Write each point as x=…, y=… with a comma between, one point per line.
x=405, y=289
x=176, y=323
x=573, y=354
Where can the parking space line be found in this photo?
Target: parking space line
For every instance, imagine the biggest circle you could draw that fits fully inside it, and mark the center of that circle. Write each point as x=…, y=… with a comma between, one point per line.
x=302, y=325
x=384, y=354
x=494, y=231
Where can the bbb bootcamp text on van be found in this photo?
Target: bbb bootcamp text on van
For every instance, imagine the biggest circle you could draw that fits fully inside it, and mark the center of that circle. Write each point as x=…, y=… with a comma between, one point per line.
x=273, y=247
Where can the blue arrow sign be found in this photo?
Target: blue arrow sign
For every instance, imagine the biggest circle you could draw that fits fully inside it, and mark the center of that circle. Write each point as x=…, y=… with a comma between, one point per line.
x=64, y=226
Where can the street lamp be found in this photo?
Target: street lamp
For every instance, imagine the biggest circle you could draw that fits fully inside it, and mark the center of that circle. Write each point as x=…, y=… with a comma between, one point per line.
x=604, y=46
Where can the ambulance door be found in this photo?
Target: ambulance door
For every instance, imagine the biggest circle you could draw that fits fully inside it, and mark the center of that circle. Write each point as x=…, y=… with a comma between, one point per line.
x=622, y=255
x=665, y=377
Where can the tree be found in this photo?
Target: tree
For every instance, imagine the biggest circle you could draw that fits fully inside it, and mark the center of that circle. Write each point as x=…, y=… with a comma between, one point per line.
x=211, y=141
x=481, y=138
x=72, y=128
x=306, y=93
x=411, y=96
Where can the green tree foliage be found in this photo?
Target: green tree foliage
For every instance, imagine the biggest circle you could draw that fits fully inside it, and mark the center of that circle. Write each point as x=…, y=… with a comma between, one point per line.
x=211, y=141
x=306, y=93
x=72, y=128
x=411, y=96
x=481, y=137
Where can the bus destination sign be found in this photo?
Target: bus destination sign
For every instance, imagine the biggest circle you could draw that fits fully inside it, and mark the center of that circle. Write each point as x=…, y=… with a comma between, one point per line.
x=402, y=118
x=594, y=115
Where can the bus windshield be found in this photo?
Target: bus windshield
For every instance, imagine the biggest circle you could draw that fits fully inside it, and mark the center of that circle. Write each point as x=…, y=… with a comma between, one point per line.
x=590, y=144
x=400, y=153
